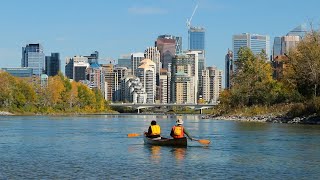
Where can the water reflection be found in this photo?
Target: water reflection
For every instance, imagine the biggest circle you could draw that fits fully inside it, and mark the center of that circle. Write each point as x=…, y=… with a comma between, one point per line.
x=155, y=153
x=179, y=153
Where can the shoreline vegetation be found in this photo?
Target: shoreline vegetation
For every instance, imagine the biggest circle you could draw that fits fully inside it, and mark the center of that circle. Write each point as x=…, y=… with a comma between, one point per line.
x=284, y=90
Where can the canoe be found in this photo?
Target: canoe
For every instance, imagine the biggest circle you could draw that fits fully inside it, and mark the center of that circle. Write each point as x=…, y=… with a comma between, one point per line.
x=182, y=142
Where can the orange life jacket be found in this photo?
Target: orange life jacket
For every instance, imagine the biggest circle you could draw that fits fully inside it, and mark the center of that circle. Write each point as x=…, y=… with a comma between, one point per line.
x=178, y=132
x=155, y=130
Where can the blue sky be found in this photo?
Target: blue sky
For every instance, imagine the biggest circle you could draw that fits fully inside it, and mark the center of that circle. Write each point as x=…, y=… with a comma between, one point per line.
x=79, y=27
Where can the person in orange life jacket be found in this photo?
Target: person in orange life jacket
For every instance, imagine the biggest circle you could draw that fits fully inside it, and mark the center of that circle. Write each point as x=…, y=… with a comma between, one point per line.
x=154, y=130
x=178, y=130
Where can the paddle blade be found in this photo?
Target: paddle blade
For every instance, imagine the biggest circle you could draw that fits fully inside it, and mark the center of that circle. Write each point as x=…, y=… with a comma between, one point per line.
x=204, y=141
x=133, y=135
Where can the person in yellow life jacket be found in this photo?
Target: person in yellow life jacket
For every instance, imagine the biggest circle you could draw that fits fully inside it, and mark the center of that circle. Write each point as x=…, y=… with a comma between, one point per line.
x=178, y=131
x=154, y=130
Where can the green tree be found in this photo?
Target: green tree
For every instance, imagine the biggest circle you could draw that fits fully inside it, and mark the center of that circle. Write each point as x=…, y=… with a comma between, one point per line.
x=303, y=70
x=252, y=83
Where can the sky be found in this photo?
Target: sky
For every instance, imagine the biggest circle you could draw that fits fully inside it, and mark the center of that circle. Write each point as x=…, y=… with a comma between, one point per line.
x=79, y=27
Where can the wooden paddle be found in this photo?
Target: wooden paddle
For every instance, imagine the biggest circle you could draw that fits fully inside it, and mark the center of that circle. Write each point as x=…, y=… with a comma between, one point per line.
x=133, y=135
x=202, y=141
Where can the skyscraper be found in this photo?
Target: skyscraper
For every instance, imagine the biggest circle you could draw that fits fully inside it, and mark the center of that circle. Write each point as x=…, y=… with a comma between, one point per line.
x=146, y=72
x=108, y=80
x=153, y=54
x=196, y=38
x=300, y=31
x=163, y=86
x=288, y=43
x=282, y=45
x=166, y=44
x=33, y=57
x=125, y=61
x=119, y=74
x=52, y=64
x=189, y=64
x=276, y=47
x=255, y=42
x=136, y=58
x=228, y=68
x=76, y=68
x=178, y=40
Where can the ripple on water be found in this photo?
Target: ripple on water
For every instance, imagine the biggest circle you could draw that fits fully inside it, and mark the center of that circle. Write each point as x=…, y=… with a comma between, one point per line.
x=97, y=147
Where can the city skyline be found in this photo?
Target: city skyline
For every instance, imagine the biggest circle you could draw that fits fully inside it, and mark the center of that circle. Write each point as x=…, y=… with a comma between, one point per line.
x=73, y=29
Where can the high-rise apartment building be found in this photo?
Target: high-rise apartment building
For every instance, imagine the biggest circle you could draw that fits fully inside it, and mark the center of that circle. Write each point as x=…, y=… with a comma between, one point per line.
x=228, y=69
x=119, y=74
x=153, y=54
x=183, y=88
x=33, y=57
x=196, y=37
x=95, y=77
x=146, y=72
x=187, y=63
x=136, y=58
x=163, y=86
x=133, y=90
x=52, y=64
x=109, y=80
x=255, y=42
x=212, y=84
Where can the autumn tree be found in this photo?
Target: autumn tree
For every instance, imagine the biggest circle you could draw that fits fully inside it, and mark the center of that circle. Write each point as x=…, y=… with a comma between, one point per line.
x=86, y=97
x=252, y=82
x=303, y=70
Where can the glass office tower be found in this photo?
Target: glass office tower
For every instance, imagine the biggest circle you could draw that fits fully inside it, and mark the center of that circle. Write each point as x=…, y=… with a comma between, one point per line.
x=255, y=42
x=52, y=64
x=196, y=37
x=33, y=57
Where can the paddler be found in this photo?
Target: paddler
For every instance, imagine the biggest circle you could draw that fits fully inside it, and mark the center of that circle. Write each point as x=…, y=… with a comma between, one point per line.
x=154, y=130
x=178, y=131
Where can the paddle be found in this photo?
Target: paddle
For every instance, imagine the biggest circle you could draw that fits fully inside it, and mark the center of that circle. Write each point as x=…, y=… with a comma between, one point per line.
x=133, y=135
x=202, y=141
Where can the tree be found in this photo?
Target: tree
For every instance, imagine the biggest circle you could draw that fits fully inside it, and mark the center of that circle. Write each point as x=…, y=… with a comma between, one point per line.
x=252, y=82
x=86, y=97
x=304, y=65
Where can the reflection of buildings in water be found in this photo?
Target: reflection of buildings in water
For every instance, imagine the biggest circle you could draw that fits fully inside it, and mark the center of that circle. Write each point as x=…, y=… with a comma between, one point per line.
x=155, y=153
x=179, y=153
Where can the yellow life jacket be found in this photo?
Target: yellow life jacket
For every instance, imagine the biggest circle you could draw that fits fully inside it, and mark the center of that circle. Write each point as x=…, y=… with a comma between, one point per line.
x=155, y=130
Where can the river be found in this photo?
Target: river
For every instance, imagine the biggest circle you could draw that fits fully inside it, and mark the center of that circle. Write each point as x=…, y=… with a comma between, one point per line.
x=97, y=147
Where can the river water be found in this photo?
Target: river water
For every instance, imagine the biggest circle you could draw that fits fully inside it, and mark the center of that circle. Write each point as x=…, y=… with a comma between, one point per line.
x=97, y=147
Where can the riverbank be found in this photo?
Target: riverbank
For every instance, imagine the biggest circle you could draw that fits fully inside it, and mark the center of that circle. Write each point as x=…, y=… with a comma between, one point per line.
x=5, y=113
x=312, y=119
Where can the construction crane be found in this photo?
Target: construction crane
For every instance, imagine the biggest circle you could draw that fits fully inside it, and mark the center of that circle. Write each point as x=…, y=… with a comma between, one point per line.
x=189, y=20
